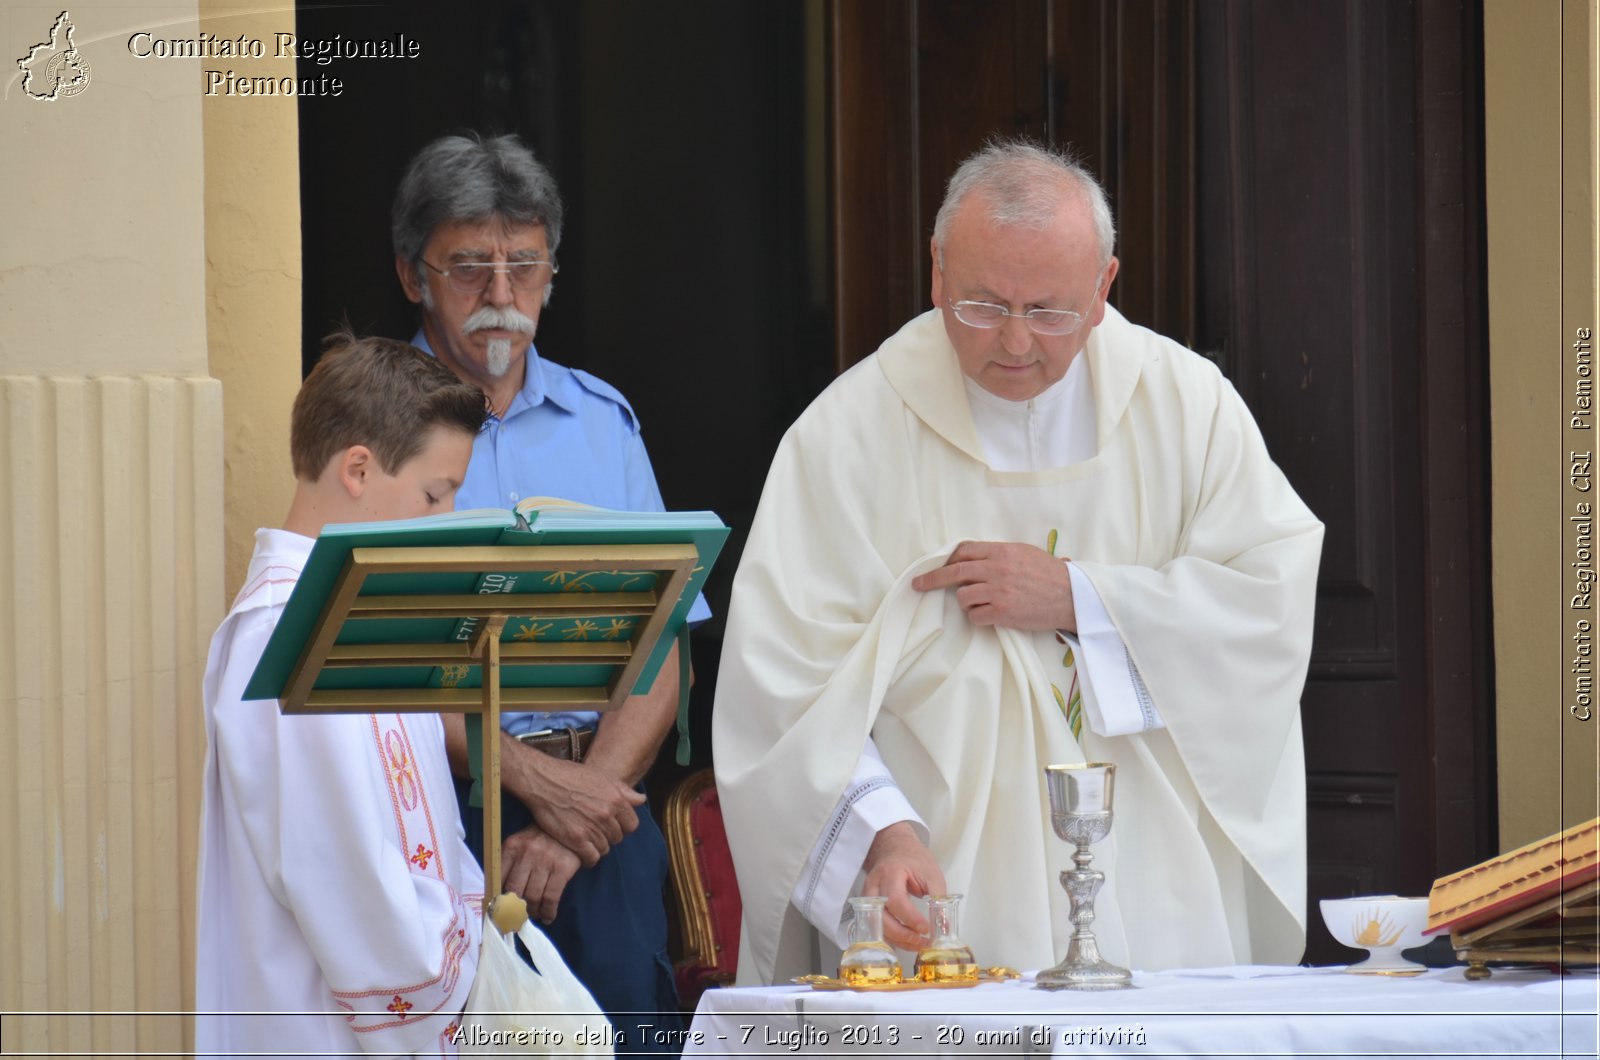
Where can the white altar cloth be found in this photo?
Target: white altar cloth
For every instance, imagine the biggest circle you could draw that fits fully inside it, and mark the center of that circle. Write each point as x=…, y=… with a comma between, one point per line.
x=1215, y=1013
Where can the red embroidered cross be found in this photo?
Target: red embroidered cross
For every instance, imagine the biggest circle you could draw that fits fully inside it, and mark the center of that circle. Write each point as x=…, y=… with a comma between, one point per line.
x=422, y=856
x=399, y=1006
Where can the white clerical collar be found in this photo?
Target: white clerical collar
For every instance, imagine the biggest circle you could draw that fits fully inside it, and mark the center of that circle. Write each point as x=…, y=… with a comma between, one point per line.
x=1048, y=396
x=1054, y=428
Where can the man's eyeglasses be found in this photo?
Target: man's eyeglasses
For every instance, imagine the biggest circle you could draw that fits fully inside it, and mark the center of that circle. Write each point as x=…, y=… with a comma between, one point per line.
x=473, y=277
x=1040, y=321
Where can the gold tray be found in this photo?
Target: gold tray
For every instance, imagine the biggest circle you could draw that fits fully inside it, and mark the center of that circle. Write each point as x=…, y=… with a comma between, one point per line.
x=986, y=975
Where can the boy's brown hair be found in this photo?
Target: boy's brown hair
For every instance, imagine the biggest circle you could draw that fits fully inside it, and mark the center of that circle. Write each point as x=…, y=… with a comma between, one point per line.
x=380, y=393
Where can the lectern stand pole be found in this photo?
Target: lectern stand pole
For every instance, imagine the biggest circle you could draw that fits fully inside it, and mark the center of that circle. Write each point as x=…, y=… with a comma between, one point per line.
x=486, y=646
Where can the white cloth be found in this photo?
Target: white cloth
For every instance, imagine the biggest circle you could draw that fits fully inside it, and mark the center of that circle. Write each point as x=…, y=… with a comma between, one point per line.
x=1052, y=429
x=1206, y=561
x=335, y=881
x=1221, y=1013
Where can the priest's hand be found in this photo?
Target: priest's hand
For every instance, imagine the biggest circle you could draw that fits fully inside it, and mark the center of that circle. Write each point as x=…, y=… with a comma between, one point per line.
x=582, y=807
x=537, y=867
x=1003, y=583
x=898, y=866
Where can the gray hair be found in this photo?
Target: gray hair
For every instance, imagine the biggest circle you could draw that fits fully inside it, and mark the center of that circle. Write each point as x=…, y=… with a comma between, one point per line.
x=462, y=179
x=1025, y=183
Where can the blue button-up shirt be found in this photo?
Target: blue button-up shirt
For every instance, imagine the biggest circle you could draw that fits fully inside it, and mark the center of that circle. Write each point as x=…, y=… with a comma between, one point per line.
x=565, y=434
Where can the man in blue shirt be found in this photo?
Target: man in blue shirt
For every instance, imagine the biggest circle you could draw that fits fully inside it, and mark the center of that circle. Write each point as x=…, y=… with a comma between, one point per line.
x=476, y=224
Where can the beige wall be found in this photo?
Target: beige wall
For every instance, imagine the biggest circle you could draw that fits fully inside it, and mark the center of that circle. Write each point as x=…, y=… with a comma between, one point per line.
x=1540, y=139
x=137, y=220
x=110, y=570
x=252, y=170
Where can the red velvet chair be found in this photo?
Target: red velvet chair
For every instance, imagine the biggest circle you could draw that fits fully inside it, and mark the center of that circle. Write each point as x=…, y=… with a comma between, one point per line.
x=705, y=885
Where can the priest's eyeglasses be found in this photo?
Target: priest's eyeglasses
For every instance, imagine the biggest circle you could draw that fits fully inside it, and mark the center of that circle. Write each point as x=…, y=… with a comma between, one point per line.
x=473, y=277
x=1040, y=321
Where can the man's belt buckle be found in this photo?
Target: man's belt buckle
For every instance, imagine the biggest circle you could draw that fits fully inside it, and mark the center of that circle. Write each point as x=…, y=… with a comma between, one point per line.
x=567, y=744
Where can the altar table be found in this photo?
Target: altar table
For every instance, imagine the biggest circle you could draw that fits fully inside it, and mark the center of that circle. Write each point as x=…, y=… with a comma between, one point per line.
x=1223, y=1012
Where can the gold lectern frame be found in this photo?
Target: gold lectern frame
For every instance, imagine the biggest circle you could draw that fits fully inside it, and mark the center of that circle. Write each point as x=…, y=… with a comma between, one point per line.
x=1559, y=931
x=670, y=563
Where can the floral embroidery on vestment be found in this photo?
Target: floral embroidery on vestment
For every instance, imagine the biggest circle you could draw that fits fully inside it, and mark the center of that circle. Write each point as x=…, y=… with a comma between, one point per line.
x=384, y=1007
x=413, y=816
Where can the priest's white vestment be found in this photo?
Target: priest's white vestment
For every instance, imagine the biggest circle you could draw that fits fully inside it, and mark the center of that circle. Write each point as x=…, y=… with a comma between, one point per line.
x=335, y=881
x=1204, y=558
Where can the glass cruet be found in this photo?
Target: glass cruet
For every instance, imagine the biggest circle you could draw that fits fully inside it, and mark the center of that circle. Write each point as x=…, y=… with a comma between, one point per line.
x=945, y=959
x=869, y=959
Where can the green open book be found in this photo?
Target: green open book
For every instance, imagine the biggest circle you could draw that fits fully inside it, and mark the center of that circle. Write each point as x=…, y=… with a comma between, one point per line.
x=580, y=588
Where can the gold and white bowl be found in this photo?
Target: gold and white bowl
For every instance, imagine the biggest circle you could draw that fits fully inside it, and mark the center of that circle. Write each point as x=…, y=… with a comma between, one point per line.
x=1383, y=925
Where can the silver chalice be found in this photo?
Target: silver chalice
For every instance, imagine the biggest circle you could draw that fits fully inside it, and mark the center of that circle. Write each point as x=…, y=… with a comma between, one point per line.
x=1080, y=811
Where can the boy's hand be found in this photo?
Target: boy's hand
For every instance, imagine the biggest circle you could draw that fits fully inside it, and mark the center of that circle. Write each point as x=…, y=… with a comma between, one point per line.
x=538, y=868
x=581, y=807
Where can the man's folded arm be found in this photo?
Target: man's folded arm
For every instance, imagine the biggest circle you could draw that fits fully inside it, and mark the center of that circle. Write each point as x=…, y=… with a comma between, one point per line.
x=583, y=809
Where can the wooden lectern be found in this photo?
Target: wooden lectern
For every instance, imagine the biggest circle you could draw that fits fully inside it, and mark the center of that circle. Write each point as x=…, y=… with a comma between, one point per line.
x=396, y=634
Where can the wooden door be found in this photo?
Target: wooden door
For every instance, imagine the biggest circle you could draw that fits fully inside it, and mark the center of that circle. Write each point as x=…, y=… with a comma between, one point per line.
x=917, y=85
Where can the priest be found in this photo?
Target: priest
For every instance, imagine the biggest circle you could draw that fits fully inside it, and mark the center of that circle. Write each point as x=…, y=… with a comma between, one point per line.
x=1025, y=531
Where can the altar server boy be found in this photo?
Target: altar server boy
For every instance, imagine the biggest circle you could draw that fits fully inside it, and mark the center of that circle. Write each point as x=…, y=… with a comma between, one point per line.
x=340, y=911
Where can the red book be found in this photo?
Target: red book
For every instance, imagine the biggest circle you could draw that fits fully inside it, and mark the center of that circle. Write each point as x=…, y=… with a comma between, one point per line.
x=1502, y=885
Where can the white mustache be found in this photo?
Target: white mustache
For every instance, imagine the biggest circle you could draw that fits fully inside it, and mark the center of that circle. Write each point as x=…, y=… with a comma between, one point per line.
x=499, y=318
